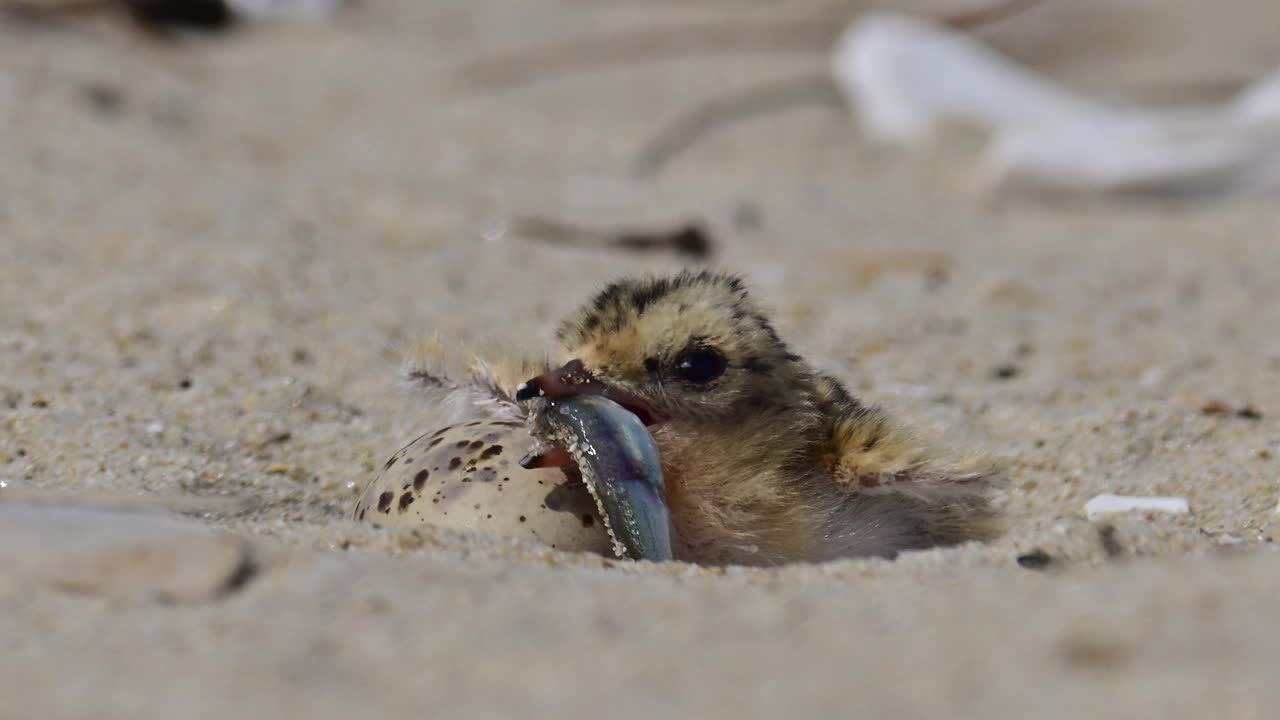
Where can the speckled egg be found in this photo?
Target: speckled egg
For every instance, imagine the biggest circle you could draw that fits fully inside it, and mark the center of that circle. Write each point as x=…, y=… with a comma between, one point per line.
x=468, y=476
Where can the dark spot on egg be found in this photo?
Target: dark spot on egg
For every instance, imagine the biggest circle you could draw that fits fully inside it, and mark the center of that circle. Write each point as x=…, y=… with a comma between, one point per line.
x=442, y=431
x=474, y=424
x=475, y=445
x=486, y=475
x=588, y=520
x=454, y=463
x=384, y=501
x=408, y=461
x=360, y=516
x=434, y=443
x=406, y=500
x=420, y=479
x=491, y=452
x=523, y=518
x=462, y=443
x=390, y=462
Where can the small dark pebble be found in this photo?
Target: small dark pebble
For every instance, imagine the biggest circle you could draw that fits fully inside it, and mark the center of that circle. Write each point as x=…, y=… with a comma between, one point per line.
x=1005, y=372
x=1249, y=412
x=40, y=404
x=184, y=384
x=103, y=98
x=1035, y=560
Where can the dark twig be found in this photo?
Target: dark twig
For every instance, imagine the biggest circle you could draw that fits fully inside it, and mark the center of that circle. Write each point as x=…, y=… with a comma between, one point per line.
x=689, y=239
x=813, y=33
x=816, y=89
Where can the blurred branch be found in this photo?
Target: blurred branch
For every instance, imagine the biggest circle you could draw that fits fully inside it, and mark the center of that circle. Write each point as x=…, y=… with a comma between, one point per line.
x=814, y=31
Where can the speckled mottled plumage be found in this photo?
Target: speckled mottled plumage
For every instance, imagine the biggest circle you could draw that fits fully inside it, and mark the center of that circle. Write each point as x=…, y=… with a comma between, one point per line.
x=768, y=461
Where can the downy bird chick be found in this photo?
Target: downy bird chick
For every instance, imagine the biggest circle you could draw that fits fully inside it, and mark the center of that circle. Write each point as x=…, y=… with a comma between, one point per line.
x=765, y=459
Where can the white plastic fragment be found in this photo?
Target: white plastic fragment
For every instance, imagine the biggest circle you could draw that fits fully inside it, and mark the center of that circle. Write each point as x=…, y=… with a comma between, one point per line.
x=906, y=78
x=1107, y=504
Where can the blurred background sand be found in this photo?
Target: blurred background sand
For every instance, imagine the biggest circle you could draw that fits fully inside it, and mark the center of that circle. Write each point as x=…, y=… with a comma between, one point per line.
x=213, y=253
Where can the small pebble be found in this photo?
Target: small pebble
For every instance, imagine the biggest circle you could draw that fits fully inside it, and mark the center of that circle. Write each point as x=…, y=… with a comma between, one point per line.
x=1005, y=372
x=1249, y=412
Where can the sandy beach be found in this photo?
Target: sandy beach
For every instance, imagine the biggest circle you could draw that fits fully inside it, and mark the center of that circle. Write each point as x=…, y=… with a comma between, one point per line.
x=215, y=251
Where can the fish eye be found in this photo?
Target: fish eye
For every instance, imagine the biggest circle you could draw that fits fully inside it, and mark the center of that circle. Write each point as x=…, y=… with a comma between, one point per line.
x=700, y=365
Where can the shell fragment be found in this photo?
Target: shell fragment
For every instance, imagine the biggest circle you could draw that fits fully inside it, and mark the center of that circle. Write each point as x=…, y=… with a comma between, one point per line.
x=1107, y=504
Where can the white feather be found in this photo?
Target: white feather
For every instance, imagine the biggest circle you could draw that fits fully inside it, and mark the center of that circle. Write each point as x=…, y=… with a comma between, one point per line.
x=462, y=389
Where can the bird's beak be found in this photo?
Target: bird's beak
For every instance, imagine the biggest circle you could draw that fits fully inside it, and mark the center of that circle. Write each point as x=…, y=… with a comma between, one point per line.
x=573, y=379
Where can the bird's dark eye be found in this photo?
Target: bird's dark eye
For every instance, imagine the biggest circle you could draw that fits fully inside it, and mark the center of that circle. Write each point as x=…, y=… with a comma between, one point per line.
x=700, y=365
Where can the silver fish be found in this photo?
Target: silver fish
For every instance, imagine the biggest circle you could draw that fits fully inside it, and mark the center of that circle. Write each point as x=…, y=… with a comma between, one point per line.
x=620, y=466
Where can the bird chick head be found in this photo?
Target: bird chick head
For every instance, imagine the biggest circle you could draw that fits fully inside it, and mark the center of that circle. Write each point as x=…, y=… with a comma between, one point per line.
x=692, y=346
